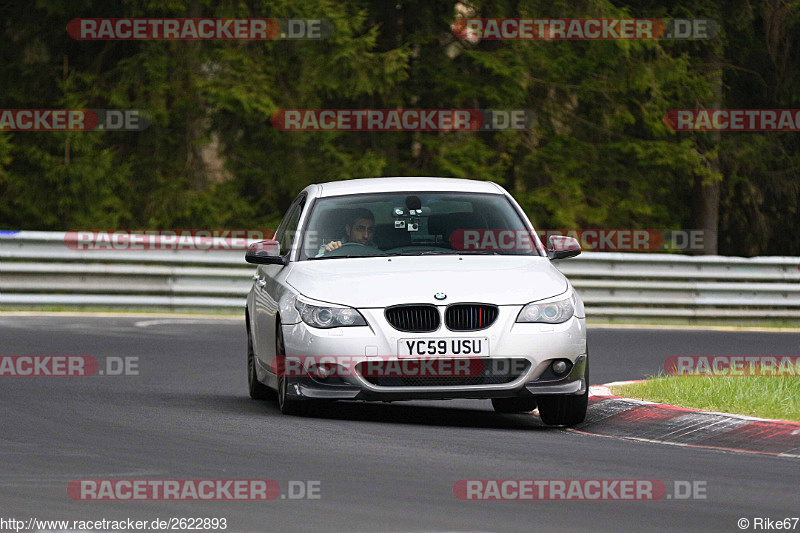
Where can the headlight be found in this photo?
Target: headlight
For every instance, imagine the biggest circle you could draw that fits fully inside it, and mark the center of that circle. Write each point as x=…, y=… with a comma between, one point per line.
x=328, y=317
x=552, y=312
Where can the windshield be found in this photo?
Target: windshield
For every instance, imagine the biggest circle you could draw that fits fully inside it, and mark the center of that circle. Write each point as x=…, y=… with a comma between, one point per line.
x=409, y=223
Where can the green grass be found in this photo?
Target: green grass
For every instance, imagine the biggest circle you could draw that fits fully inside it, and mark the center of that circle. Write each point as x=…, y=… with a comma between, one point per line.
x=764, y=397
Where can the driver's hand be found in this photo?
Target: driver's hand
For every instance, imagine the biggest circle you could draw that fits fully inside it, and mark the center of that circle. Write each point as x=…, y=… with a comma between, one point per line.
x=333, y=245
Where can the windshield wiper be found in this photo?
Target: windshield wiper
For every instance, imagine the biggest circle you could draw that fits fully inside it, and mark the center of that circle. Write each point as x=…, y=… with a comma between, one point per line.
x=479, y=252
x=424, y=252
x=341, y=257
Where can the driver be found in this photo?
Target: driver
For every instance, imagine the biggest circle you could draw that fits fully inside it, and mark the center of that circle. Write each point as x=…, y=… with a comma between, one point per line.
x=360, y=230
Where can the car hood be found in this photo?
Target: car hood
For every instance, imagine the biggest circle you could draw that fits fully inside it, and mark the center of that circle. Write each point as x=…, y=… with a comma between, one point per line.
x=380, y=281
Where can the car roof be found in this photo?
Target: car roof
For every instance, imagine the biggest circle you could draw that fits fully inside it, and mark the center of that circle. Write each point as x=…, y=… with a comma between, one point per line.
x=395, y=184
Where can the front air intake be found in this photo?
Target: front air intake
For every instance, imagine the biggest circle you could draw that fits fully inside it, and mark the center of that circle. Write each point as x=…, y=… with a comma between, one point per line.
x=470, y=317
x=413, y=318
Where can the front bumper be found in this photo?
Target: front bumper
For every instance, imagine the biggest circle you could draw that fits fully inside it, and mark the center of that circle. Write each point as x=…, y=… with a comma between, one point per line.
x=538, y=344
x=311, y=388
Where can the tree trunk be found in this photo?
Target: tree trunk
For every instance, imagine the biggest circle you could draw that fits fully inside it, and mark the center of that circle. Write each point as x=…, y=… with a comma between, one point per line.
x=705, y=197
x=705, y=212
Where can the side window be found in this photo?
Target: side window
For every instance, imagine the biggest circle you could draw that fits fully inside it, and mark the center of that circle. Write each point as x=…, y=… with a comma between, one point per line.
x=287, y=231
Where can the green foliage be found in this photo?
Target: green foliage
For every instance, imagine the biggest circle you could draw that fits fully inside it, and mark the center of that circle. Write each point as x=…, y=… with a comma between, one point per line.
x=600, y=154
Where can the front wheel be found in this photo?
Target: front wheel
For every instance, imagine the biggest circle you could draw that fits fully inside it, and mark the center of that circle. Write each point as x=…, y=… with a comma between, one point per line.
x=286, y=403
x=258, y=391
x=565, y=410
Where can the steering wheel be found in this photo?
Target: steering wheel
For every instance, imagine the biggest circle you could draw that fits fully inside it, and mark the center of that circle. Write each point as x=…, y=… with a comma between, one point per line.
x=356, y=248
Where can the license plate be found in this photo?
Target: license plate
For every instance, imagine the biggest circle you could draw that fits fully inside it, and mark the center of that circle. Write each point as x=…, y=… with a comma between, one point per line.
x=447, y=347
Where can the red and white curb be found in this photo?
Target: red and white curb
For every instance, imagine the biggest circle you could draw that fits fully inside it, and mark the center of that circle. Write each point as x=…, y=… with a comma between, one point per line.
x=617, y=417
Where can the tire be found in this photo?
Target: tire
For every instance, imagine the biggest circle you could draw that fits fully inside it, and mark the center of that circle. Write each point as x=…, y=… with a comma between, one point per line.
x=565, y=410
x=258, y=391
x=514, y=405
x=287, y=405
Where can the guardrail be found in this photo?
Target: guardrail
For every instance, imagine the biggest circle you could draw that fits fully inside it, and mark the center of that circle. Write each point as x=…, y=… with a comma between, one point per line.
x=38, y=269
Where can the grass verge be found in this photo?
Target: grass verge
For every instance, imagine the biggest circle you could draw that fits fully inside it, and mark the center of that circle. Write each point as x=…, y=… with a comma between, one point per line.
x=764, y=397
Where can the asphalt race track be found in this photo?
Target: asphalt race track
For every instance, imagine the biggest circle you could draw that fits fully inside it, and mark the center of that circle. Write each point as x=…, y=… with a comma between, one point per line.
x=381, y=467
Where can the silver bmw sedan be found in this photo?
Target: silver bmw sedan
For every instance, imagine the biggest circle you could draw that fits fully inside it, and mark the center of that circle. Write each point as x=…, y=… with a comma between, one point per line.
x=405, y=288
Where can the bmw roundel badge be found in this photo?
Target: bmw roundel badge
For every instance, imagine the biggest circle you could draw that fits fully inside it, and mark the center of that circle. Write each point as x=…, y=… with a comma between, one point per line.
x=440, y=296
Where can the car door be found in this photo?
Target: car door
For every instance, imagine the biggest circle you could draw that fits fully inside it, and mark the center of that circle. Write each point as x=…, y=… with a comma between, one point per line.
x=270, y=286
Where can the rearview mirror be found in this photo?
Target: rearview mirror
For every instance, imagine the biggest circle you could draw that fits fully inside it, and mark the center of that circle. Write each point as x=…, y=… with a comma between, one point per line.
x=562, y=247
x=264, y=253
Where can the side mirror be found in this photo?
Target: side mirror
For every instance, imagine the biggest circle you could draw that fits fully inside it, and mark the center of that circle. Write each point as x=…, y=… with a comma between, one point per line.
x=265, y=253
x=561, y=247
